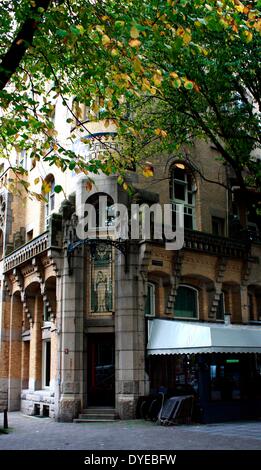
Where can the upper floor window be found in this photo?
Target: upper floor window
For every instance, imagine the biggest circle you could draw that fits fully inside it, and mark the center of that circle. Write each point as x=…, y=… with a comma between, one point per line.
x=49, y=207
x=218, y=226
x=182, y=191
x=103, y=206
x=150, y=300
x=186, y=304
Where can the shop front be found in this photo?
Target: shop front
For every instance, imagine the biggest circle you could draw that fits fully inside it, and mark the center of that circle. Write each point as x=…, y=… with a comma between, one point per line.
x=186, y=358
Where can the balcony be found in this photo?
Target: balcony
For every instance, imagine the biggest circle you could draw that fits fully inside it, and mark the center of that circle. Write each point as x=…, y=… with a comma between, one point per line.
x=215, y=245
x=45, y=241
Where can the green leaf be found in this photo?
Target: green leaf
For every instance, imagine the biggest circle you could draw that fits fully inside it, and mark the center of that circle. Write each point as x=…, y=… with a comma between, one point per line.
x=58, y=189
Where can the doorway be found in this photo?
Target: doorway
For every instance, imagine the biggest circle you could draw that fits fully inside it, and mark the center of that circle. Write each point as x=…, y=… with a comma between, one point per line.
x=101, y=370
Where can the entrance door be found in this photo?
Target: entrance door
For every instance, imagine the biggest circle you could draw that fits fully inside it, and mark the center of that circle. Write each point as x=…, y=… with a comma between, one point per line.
x=101, y=370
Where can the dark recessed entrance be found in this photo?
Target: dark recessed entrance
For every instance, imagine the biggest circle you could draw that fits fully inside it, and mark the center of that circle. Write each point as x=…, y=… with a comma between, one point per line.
x=101, y=370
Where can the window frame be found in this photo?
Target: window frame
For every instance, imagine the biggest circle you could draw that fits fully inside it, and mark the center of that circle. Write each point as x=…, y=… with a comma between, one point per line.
x=197, y=303
x=44, y=363
x=184, y=202
x=152, y=300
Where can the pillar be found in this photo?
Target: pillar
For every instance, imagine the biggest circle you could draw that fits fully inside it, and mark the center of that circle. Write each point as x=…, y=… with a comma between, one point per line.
x=5, y=307
x=70, y=293
x=15, y=349
x=35, y=367
x=129, y=334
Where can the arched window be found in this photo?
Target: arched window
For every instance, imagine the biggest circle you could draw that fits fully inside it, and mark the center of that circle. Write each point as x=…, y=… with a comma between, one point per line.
x=104, y=216
x=150, y=300
x=50, y=196
x=182, y=191
x=186, y=304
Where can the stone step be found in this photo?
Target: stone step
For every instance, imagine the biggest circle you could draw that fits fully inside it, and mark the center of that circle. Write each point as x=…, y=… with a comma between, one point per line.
x=97, y=414
x=97, y=420
x=99, y=410
x=110, y=416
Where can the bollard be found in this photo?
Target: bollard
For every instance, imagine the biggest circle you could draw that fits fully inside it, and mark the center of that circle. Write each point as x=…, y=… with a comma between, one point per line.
x=5, y=419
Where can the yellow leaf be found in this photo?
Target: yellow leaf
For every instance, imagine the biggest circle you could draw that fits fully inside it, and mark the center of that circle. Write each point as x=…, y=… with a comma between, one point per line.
x=125, y=186
x=257, y=26
x=148, y=170
x=105, y=40
x=46, y=187
x=19, y=42
x=134, y=32
x=114, y=52
x=55, y=147
x=157, y=79
x=81, y=29
x=137, y=65
x=36, y=181
x=134, y=43
x=248, y=36
x=88, y=185
x=173, y=75
x=160, y=132
x=186, y=37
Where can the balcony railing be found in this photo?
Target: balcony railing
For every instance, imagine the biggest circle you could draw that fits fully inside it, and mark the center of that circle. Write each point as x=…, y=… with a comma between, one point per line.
x=213, y=244
x=25, y=252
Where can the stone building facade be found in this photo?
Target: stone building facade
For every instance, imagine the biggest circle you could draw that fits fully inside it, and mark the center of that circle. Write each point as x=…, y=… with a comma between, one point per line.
x=76, y=317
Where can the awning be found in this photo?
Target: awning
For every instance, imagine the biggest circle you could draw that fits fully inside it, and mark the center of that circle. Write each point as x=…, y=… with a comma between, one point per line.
x=180, y=337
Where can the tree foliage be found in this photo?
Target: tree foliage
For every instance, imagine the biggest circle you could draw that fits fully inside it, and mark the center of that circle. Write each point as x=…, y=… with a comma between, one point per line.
x=163, y=71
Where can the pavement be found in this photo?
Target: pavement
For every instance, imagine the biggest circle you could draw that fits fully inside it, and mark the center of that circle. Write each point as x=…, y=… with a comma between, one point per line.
x=33, y=433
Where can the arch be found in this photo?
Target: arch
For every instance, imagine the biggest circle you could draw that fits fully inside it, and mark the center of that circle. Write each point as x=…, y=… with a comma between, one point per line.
x=103, y=218
x=254, y=302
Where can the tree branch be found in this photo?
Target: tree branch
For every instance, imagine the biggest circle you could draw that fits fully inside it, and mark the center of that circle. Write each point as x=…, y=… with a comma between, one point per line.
x=22, y=42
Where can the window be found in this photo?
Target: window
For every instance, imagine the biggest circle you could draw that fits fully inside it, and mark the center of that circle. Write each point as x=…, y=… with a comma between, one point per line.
x=182, y=191
x=50, y=199
x=186, y=304
x=104, y=215
x=221, y=307
x=46, y=313
x=150, y=300
x=1, y=244
x=46, y=363
x=29, y=235
x=218, y=226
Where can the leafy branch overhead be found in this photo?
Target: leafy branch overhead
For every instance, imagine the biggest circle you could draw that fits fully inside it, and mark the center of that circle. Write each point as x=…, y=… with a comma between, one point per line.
x=162, y=72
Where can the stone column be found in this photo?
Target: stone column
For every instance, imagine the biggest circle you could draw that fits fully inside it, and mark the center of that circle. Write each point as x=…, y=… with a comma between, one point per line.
x=15, y=349
x=70, y=331
x=5, y=308
x=35, y=367
x=129, y=334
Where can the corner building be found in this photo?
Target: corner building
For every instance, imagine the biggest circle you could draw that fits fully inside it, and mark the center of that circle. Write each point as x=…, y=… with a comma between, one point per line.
x=94, y=326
